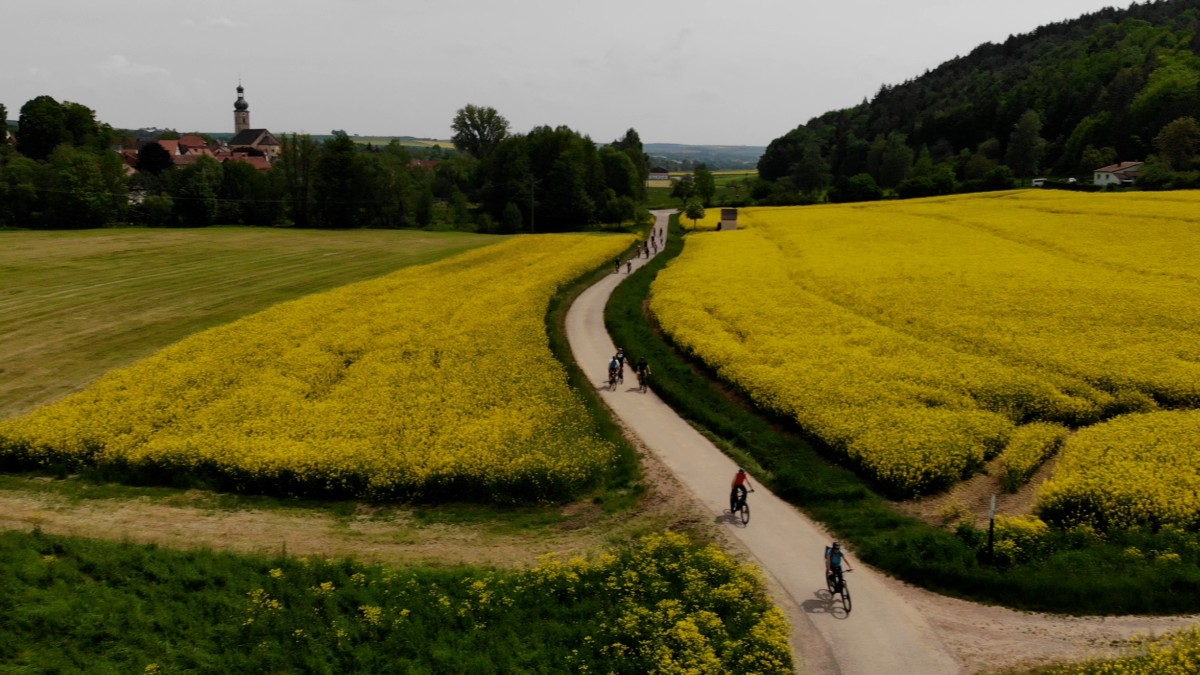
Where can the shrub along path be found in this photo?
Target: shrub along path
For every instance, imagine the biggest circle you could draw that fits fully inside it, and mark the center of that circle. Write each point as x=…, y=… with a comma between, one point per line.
x=893, y=627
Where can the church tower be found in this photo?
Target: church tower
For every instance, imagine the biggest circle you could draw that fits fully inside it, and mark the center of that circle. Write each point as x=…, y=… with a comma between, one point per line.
x=241, y=112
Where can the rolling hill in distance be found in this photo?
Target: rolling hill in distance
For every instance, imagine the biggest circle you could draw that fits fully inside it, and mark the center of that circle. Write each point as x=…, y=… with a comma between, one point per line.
x=1064, y=99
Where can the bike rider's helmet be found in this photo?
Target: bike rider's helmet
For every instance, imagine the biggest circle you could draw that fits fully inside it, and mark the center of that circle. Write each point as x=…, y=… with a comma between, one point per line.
x=741, y=471
x=837, y=546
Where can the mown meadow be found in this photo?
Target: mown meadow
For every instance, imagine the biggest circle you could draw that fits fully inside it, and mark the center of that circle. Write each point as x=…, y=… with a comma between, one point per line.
x=858, y=376
x=75, y=304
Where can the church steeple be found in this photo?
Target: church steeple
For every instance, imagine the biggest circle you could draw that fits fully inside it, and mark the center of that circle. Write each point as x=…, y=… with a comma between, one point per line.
x=241, y=112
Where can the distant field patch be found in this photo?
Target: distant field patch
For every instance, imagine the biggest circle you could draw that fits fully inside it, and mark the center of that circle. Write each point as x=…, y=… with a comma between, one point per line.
x=76, y=304
x=434, y=382
x=916, y=337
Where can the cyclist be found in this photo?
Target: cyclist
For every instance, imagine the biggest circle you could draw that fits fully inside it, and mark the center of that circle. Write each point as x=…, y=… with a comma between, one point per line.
x=620, y=359
x=737, y=495
x=643, y=373
x=834, y=557
x=614, y=371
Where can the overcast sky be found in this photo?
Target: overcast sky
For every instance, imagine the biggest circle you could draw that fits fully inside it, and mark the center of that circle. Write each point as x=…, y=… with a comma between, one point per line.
x=694, y=71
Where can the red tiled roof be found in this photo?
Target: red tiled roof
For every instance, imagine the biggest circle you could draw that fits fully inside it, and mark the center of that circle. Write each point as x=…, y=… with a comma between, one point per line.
x=172, y=147
x=259, y=163
x=429, y=164
x=193, y=141
x=1120, y=167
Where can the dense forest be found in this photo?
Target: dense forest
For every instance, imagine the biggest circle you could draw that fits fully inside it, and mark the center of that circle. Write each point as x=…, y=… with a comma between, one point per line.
x=1064, y=100
x=64, y=171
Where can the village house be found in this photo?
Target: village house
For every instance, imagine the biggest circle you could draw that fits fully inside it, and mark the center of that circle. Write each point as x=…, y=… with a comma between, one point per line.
x=256, y=147
x=1124, y=173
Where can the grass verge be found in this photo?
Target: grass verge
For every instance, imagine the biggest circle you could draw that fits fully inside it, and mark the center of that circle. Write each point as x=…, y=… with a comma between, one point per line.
x=75, y=605
x=1077, y=571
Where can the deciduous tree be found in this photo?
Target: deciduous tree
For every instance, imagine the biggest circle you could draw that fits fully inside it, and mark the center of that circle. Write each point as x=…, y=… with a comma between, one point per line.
x=297, y=169
x=478, y=129
x=1178, y=143
x=706, y=185
x=694, y=210
x=683, y=189
x=154, y=159
x=42, y=127
x=1025, y=145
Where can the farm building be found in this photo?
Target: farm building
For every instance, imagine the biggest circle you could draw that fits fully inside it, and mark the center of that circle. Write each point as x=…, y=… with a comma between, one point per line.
x=1123, y=173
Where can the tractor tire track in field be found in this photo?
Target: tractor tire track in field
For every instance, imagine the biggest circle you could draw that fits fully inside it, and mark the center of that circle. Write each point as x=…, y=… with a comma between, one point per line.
x=893, y=627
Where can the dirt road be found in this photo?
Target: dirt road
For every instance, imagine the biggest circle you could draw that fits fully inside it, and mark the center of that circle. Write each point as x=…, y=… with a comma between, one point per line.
x=893, y=628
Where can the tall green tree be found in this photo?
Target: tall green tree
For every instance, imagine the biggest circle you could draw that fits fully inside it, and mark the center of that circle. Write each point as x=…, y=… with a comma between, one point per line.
x=890, y=159
x=694, y=210
x=297, y=170
x=811, y=172
x=245, y=196
x=1178, y=143
x=3, y=123
x=631, y=145
x=478, y=130
x=683, y=189
x=706, y=185
x=620, y=174
x=195, y=190
x=1025, y=145
x=80, y=191
x=42, y=126
x=19, y=196
x=84, y=130
x=153, y=158
x=339, y=190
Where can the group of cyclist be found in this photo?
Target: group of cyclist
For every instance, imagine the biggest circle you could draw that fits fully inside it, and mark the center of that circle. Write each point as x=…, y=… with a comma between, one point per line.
x=835, y=557
x=616, y=370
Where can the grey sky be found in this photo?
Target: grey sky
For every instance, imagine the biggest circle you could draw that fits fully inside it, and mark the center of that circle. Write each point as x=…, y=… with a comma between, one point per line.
x=700, y=71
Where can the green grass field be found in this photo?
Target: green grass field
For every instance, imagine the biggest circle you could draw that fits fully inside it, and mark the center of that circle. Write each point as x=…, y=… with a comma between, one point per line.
x=730, y=188
x=76, y=304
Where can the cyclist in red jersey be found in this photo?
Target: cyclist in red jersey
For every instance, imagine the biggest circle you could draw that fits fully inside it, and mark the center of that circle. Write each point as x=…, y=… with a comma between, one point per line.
x=741, y=482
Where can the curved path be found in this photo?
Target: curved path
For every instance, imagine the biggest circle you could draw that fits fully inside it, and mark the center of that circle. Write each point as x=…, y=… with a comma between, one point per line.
x=883, y=633
x=894, y=628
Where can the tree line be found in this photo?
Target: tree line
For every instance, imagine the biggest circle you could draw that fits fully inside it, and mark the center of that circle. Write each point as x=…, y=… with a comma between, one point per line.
x=64, y=172
x=1064, y=100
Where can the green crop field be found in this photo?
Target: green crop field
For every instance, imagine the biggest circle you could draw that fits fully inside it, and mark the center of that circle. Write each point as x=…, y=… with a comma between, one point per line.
x=76, y=304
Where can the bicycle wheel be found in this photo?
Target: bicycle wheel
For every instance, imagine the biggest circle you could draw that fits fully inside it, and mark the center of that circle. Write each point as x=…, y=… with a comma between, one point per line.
x=745, y=513
x=845, y=597
x=831, y=584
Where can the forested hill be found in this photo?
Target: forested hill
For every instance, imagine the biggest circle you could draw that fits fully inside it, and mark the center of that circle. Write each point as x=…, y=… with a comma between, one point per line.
x=1065, y=99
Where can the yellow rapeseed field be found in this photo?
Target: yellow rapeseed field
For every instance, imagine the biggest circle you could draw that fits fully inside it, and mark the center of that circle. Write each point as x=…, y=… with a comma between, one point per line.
x=1136, y=471
x=916, y=337
x=1175, y=653
x=433, y=381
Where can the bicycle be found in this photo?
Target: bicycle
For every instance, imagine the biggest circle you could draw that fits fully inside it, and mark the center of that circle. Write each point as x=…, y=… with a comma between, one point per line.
x=613, y=379
x=643, y=381
x=740, y=509
x=836, y=583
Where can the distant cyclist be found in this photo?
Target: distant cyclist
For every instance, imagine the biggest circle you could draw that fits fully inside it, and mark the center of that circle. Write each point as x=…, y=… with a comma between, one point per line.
x=643, y=373
x=737, y=495
x=834, y=557
x=620, y=358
